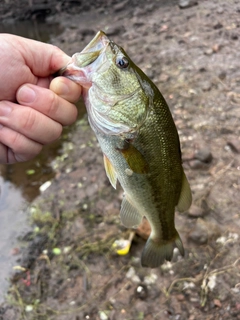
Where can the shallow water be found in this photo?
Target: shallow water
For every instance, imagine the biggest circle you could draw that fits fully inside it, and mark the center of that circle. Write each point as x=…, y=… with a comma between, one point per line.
x=19, y=183
x=31, y=29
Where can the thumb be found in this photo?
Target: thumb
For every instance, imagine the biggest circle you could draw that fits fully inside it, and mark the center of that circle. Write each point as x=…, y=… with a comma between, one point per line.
x=43, y=59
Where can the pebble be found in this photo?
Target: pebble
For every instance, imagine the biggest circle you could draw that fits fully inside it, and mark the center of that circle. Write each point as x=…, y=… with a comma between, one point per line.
x=222, y=75
x=234, y=145
x=180, y=297
x=220, y=10
x=217, y=25
x=217, y=303
x=206, y=85
x=141, y=292
x=115, y=30
x=204, y=155
x=234, y=36
x=203, y=231
x=163, y=77
x=208, y=52
x=184, y=4
x=120, y=6
x=215, y=48
x=195, y=212
x=197, y=164
x=199, y=234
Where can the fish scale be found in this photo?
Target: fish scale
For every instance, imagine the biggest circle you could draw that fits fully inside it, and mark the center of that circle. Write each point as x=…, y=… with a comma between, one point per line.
x=139, y=141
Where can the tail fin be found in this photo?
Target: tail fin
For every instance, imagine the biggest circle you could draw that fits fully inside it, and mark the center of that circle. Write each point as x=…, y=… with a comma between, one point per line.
x=155, y=253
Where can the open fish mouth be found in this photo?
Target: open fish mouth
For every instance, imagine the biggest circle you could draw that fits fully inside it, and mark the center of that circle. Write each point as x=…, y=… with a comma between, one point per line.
x=88, y=55
x=85, y=59
x=92, y=51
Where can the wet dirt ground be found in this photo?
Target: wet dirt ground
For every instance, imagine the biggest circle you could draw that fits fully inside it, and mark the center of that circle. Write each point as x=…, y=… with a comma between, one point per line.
x=68, y=269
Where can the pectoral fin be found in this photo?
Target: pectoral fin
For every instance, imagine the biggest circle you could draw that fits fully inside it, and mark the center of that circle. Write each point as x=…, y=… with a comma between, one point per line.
x=129, y=215
x=185, y=198
x=134, y=158
x=110, y=171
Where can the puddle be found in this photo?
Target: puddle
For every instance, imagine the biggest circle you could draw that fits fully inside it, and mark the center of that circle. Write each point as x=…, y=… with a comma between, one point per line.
x=13, y=221
x=19, y=183
x=34, y=29
x=17, y=189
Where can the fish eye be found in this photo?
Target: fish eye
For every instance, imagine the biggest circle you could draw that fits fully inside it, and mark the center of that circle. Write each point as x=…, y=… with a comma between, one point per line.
x=122, y=62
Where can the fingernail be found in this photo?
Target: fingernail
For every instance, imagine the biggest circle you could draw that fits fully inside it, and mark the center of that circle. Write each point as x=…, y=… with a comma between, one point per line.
x=26, y=94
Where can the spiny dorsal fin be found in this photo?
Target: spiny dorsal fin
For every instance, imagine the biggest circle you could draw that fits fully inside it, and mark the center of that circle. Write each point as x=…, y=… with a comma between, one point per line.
x=185, y=198
x=110, y=171
x=129, y=215
x=134, y=158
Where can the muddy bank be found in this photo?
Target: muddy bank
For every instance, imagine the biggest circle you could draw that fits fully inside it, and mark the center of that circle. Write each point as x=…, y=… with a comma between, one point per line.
x=69, y=268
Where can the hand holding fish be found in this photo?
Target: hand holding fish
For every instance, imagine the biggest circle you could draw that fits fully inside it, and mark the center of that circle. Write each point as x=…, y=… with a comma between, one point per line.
x=33, y=107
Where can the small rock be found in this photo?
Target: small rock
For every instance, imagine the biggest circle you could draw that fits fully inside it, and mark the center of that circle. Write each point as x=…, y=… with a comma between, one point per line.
x=197, y=164
x=195, y=212
x=163, y=77
x=217, y=303
x=220, y=10
x=87, y=32
x=206, y=85
x=234, y=145
x=180, y=297
x=215, y=48
x=114, y=30
x=234, y=36
x=208, y=51
x=218, y=25
x=204, y=155
x=184, y=4
x=199, y=234
x=141, y=292
x=202, y=69
x=226, y=131
x=150, y=7
x=204, y=231
x=120, y=6
x=139, y=12
x=222, y=75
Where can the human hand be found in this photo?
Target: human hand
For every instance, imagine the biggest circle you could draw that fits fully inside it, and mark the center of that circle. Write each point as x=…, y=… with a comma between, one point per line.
x=33, y=107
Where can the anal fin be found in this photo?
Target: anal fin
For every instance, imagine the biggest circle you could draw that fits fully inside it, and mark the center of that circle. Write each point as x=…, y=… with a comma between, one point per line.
x=185, y=198
x=130, y=217
x=110, y=171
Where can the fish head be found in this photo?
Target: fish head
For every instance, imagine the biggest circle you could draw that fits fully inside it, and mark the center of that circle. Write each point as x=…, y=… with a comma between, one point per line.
x=116, y=92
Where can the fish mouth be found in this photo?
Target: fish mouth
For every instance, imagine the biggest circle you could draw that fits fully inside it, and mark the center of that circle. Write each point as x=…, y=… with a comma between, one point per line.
x=85, y=58
x=97, y=43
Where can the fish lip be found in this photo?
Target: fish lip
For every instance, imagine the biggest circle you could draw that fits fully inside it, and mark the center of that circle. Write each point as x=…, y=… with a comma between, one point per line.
x=85, y=58
x=92, y=51
x=74, y=70
x=99, y=42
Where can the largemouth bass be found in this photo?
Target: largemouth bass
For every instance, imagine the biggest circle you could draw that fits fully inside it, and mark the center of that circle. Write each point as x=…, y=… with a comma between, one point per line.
x=139, y=141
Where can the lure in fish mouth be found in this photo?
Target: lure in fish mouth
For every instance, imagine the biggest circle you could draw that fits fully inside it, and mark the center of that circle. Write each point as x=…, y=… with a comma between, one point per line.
x=139, y=141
